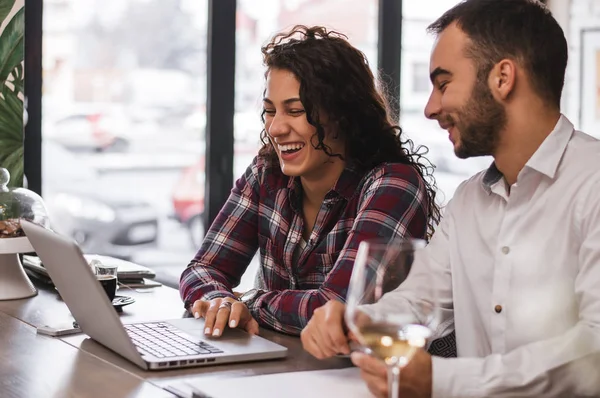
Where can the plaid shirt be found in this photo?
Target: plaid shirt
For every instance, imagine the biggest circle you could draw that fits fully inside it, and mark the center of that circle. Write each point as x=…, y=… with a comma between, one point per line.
x=264, y=212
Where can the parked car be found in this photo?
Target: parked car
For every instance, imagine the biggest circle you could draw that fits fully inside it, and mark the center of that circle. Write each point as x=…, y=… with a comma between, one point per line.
x=188, y=201
x=188, y=193
x=89, y=131
x=84, y=206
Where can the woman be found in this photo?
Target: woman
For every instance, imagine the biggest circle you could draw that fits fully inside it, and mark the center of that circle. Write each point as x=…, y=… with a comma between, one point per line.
x=332, y=172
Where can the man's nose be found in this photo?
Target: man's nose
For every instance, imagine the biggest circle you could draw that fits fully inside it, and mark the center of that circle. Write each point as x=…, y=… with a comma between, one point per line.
x=433, y=107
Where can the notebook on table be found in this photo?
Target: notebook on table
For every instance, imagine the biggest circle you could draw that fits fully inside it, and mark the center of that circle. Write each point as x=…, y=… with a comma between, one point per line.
x=126, y=270
x=345, y=383
x=150, y=345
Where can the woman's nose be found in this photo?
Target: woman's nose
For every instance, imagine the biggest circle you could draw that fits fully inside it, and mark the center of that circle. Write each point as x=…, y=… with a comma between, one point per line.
x=277, y=126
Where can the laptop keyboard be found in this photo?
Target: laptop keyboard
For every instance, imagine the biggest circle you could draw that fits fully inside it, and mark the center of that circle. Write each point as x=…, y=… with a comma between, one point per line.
x=164, y=341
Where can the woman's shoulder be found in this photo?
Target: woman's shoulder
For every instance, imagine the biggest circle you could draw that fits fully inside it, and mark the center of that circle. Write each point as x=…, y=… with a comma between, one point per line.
x=393, y=172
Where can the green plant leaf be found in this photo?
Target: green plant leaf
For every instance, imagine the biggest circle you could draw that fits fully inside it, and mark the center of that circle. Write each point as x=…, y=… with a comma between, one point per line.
x=18, y=83
x=11, y=45
x=11, y=119
x=17, y=80
x=14, y=164
x=5, y=7
x=11, y=136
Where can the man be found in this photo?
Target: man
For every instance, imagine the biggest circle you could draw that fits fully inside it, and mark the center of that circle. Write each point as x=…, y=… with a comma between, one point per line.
x=519, y=246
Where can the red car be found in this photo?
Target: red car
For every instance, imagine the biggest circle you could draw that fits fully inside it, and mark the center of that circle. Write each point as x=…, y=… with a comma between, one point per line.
x=188, y=194
x=188, y=200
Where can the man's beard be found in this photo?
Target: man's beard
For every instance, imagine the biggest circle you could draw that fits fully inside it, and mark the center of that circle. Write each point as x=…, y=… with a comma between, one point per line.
x=480, y=123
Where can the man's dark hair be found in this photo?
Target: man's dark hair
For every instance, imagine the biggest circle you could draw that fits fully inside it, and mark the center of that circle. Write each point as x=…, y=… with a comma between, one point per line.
x=522, y=30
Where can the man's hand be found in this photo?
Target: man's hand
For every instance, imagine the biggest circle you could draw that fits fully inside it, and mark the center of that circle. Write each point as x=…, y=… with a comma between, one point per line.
x=220, y=312
x=324, y=334
x=415, y=378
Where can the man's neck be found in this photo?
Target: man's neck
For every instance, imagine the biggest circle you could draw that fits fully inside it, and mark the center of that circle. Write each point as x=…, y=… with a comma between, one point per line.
x=521, y=139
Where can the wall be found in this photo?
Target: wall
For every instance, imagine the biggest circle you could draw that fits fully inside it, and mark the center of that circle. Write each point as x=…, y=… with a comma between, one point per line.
x=576, y=16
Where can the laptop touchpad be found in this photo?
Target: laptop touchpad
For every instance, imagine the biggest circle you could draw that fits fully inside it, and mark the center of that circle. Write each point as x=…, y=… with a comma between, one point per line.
x=195, y=327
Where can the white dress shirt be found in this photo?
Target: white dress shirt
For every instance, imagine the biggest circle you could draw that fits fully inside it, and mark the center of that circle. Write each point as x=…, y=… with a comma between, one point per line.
x=520, y=277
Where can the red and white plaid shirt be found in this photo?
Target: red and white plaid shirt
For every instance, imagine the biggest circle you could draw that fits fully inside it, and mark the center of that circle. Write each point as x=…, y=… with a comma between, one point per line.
x=264, y=212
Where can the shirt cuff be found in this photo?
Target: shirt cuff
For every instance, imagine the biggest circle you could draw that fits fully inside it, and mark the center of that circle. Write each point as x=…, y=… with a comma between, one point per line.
x=218, y=294
x=255, y=303
x=455, y=377
x=213, y=294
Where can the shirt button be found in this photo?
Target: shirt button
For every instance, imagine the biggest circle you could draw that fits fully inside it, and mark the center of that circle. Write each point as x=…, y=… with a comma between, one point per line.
x=505, y=249
x=498, y=309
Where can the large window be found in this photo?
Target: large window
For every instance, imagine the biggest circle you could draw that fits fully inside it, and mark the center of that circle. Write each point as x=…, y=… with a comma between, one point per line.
x=123, y=125
x=124, y=109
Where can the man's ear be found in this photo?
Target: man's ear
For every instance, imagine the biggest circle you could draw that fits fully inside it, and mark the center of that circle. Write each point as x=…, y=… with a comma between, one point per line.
x=502, y=78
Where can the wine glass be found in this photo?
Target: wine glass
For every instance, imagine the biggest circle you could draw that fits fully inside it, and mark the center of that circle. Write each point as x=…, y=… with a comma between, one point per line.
x=392, y=332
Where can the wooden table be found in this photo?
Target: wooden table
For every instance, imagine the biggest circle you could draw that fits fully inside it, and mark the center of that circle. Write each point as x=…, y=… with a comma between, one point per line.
x=32, y=365
x=157, y=304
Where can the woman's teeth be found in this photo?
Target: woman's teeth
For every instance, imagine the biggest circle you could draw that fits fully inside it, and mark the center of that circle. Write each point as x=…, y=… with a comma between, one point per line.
x=291, y=147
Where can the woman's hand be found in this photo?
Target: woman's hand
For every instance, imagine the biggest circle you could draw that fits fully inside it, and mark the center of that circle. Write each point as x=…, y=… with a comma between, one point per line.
x=220, y=312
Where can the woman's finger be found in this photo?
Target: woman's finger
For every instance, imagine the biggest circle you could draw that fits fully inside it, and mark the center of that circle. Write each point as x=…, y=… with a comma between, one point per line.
x=210, y=315
x=237, y=314
x=252, y=326
x=222, y=317
x=199, y=308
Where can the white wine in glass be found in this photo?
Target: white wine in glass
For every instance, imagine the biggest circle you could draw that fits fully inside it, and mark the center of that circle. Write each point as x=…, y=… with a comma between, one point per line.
x=392, y=333
x=394, y=343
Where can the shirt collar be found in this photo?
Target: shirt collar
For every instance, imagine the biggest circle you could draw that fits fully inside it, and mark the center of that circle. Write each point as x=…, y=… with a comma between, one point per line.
x=345, y=186
x=545, y=159
x=492, y=175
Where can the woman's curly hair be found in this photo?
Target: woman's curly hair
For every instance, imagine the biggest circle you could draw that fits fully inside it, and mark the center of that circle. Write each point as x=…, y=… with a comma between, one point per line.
x=336, y=81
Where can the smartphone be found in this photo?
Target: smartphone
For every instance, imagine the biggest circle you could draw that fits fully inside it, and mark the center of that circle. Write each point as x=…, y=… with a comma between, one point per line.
x=58, y=330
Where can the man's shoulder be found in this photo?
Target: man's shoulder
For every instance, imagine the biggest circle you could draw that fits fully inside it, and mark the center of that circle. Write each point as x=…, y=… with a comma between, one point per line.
x=582, y=157
x=472, y=184
x=583, y=144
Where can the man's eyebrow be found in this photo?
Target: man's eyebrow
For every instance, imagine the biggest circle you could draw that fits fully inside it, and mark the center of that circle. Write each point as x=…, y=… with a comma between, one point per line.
x=438, y=71
x=286, y=102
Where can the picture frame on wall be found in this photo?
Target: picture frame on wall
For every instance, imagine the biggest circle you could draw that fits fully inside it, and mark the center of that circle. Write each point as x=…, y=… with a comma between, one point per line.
x=589, y=82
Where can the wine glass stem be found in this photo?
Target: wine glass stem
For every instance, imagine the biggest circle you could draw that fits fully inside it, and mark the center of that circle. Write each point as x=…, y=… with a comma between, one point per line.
x=393, y=381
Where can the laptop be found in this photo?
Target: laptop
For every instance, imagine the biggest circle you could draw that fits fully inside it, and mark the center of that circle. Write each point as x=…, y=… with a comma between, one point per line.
x=169, y=344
